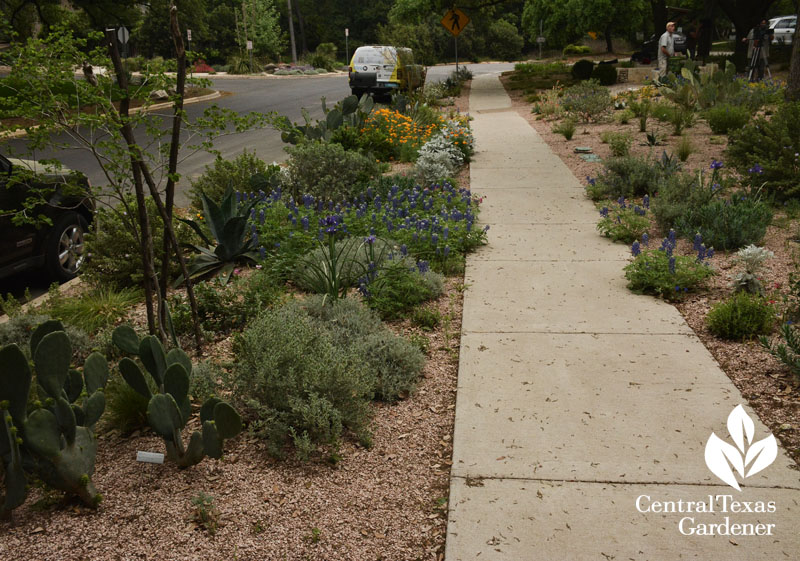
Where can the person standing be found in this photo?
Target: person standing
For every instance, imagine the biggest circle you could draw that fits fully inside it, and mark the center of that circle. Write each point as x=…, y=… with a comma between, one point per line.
x=760, y=36
x=666, y=49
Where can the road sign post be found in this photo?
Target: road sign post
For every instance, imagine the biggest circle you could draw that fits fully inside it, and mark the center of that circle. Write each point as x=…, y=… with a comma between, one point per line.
x=454, y=21
x=346, y=47
x=123, y=35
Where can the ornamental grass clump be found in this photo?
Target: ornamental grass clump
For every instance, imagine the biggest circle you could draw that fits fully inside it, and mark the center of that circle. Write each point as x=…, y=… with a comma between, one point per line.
x=566, y=128
x=742, y=316
x=623, y=221
x=661, y=273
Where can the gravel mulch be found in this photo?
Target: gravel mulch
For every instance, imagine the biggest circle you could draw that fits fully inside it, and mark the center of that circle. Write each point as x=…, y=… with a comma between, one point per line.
x=767, y=385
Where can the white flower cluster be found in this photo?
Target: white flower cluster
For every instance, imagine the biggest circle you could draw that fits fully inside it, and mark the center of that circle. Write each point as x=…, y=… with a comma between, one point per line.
x=753, y=257
x=438, y=158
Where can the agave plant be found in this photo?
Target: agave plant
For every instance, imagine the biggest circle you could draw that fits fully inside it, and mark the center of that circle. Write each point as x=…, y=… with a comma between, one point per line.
x=227, y=223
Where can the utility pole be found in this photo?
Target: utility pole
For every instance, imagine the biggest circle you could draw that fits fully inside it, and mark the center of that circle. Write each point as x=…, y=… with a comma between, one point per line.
x=291, y=32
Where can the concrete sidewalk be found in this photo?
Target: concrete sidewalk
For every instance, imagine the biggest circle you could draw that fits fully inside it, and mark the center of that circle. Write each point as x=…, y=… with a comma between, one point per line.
x=576, y=398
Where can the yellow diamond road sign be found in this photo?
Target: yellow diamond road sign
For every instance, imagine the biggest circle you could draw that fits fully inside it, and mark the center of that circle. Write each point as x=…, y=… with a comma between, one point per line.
x=454, y=21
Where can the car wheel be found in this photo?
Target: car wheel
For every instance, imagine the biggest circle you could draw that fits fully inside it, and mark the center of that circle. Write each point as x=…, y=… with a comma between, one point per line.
x=64, y=249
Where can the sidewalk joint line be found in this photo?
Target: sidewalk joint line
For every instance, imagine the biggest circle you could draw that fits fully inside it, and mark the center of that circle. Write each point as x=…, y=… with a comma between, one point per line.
x=617, y=482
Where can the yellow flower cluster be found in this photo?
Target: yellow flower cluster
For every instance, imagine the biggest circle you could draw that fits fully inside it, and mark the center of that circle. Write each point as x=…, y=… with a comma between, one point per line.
x=399, y=129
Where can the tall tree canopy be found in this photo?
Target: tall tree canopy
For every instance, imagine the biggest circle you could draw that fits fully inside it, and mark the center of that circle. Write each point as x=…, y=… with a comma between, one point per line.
x=566, y=22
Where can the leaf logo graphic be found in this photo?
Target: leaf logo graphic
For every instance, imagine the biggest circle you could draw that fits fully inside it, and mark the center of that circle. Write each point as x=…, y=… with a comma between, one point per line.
x=747, y=457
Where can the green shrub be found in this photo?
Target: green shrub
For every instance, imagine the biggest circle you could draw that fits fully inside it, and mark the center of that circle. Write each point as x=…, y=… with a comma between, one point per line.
x=724, y=118
x=324, y=57
x=19, y=328
x=426, y=318
x=395, y=362
x=742, y=316
x=297, y=383
x=206, y=381
x=223, y=307
x=587, y=99
x=565, y=128
x=623, y=117
x=606, y=74
x=113, y=249
x=619, y=142
x=627, y=176
x=236, y=174
x=765, y=152
x=503, y=40
x=328, y=171
x=543, y=69
x=660, y=273
x=662, y=111
x=678, y=194
x=576, y=50
x=623, y=222
x=727, y=224
x=399, y=286
x=582, y=69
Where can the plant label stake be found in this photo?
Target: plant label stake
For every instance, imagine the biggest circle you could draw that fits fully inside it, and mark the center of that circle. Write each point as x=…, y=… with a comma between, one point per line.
x=149, y=457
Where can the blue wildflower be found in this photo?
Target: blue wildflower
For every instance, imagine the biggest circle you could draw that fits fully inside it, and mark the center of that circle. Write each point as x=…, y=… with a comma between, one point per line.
x=715, y=164
x=604, y=212
x=646, y=201
x=636, y=249
x=672, y=265
x=756, y=169
x=645, y=239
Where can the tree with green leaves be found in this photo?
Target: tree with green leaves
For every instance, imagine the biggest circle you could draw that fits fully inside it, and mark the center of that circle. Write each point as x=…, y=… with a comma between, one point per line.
x=96, y=115
x=566, y=22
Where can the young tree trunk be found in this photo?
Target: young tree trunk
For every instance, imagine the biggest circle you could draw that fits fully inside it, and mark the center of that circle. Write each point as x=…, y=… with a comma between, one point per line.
x=704, y=38
x=166, y=214
x=146, y=245
x=659, y=8
x=609, y=46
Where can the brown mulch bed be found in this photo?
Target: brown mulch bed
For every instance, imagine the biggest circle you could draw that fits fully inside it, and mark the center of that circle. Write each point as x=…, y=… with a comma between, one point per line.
x=388, y=502
x=769, y=387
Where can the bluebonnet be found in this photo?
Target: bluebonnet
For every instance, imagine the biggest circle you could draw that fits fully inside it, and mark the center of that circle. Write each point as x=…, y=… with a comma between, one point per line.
x=621, y=202
x=756, y=169
x=646, y=201
x=698, y=241
x=604, y=212
x=672, y=264
x=262, y=252
x=645, y=239
x=423, y=266
x=636, y=249
x=404, y=250
x=304, y=222
x=639, y=210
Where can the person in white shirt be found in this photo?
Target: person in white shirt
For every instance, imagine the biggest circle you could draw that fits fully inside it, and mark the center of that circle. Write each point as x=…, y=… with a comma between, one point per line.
x=666, y=49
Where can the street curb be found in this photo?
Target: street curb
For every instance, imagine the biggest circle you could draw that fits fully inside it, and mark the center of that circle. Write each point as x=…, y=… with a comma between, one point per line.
x=22, y=132
x=39, y=300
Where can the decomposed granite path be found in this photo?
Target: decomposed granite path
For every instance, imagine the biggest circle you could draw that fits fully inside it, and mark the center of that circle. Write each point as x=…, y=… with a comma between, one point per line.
x=583, y=410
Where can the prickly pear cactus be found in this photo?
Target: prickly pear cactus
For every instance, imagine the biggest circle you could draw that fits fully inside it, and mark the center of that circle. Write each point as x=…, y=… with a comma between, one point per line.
x=169, y=409
x=57, y=438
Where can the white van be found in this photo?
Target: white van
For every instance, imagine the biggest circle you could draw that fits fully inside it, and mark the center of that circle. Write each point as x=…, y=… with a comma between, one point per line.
x=382, y=70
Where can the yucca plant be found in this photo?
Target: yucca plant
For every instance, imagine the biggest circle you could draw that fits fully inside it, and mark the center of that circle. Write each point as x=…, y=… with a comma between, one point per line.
x=227, y=223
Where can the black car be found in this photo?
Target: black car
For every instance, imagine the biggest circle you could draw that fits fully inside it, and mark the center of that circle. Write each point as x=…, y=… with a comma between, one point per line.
x=53, y=237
